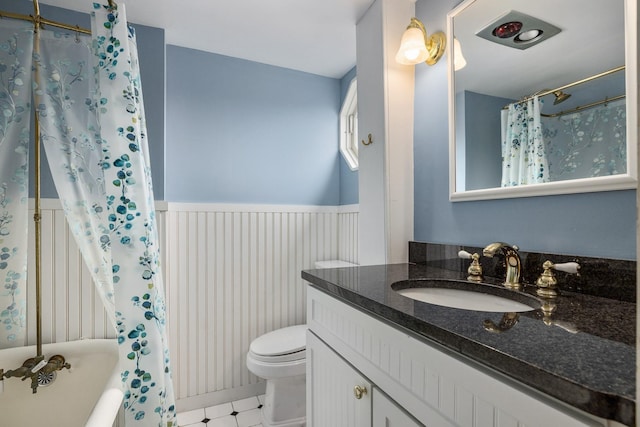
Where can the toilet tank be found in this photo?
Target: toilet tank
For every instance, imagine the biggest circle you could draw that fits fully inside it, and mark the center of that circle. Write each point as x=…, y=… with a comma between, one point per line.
x=334, y=263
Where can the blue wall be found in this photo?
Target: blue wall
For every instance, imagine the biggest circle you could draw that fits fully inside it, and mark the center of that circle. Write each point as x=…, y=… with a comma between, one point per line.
x=151, y=55
x=243, y=132
x=236, y=131
x=348, y=178
x=590, y=224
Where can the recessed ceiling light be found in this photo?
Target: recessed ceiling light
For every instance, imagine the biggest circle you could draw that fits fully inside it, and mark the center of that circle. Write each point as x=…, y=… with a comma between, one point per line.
x=528, y=36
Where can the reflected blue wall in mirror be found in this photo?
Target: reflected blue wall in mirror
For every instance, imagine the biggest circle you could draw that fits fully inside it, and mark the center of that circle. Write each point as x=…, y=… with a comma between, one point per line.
x=481, y=158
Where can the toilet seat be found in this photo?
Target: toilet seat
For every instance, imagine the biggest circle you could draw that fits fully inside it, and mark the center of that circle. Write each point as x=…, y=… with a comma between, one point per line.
x=282, y=358
x=279, y=354
x=281, y=345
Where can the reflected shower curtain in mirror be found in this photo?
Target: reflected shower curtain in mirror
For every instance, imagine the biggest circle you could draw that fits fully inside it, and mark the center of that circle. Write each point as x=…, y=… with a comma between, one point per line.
x=16, y=45
x=524, y=160
x=89, y=101
x=587, y=143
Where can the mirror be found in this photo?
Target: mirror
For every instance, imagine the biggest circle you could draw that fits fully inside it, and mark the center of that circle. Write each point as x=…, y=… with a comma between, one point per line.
x=587, y=141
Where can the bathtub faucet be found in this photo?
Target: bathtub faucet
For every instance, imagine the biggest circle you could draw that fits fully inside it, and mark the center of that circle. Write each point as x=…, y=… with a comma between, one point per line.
x=39, y=370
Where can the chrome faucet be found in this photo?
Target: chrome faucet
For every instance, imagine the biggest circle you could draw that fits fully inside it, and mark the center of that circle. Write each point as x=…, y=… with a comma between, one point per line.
x=512, y=262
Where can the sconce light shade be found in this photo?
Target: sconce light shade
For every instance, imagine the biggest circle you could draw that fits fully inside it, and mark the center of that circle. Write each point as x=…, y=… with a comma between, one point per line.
x=416, y=47
x=458, y=59
x=412, y=47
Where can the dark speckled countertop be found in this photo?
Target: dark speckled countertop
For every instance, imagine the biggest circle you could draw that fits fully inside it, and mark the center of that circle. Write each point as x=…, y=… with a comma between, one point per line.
x=583, y=355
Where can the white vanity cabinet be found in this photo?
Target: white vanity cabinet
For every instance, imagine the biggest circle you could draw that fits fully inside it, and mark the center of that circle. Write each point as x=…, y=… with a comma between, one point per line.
x=338, y=395
x=386, y=413
x=423, y=381
x=385, y=111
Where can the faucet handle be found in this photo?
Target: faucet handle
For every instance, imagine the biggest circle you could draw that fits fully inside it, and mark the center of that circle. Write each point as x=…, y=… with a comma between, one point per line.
x=475, y=269
x=464, y=254
x=547, y=282
x=567, y=267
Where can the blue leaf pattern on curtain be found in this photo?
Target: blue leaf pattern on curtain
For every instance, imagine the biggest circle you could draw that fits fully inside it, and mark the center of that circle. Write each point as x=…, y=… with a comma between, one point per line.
x=524, y=160
x=16, y=47
x=588, y=143
x=89, y=101
x=137, y=278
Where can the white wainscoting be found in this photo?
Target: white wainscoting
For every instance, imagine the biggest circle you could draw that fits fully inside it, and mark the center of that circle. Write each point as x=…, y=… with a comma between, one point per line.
x=348, y=233
x=71, y=308
x=232, y=273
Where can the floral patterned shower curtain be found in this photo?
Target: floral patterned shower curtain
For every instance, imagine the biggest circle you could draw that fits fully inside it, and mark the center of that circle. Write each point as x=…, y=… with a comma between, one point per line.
x=16, y=45
x=88, y=98
x=524, y=160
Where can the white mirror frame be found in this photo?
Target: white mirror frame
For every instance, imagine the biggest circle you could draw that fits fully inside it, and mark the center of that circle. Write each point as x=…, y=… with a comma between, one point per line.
x=606, y=183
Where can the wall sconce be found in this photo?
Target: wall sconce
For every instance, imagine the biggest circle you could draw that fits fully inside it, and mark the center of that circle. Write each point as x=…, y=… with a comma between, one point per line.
x=416, y=47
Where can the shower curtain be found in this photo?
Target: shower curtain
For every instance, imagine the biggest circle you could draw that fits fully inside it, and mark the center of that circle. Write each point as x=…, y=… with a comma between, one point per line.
x=16, y=43
x=524, y=160
x=88, y=99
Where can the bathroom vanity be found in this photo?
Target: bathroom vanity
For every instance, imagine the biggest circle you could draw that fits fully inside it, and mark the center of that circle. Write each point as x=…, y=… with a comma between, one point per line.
x=378, y=358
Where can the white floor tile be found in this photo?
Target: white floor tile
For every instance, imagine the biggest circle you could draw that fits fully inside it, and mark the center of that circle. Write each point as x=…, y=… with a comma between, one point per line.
x=190, y=417
x=246, y=404
x=218, y=410
x=227, y=421
x=248, y=418
x=194, y=425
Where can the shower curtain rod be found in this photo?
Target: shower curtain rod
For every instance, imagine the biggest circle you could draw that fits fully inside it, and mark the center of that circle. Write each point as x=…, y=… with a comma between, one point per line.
x=584, y=107
x=576, y=83
x=40, y=21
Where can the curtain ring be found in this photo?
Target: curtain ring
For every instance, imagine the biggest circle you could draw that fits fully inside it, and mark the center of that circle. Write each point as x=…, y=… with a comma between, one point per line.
x=77, y=34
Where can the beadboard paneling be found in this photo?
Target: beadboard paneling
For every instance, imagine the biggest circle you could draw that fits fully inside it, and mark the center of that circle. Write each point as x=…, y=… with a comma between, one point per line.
x=348, y=233
x=71, y=308
x=233, y=273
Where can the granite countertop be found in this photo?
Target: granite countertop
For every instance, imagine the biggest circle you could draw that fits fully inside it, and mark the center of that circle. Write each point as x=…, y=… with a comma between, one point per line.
x=584, y=354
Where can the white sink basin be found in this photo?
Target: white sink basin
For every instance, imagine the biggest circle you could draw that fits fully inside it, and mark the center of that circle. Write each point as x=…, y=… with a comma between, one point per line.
x=453, y=294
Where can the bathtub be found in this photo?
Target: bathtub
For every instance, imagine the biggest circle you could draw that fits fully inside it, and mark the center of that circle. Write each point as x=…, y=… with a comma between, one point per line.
x=88, y=394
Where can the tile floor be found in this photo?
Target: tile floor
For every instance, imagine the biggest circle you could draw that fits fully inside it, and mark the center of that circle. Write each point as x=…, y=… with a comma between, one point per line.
x=240, y=413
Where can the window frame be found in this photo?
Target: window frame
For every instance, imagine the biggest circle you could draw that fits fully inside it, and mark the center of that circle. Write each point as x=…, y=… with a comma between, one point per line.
x=349, y=126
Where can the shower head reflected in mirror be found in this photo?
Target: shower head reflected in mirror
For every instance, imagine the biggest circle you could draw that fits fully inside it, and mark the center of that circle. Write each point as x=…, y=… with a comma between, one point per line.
x=560, y=97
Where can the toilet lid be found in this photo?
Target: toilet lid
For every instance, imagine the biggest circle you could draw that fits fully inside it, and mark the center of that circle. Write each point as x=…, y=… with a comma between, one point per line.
x=283, y=341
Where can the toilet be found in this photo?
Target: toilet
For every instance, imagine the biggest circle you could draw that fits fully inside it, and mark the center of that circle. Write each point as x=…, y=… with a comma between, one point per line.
x=280, y=358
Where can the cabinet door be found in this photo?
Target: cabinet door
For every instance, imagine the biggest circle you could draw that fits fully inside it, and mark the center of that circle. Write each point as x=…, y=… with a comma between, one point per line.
x=331, y=382
x=386, y=413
